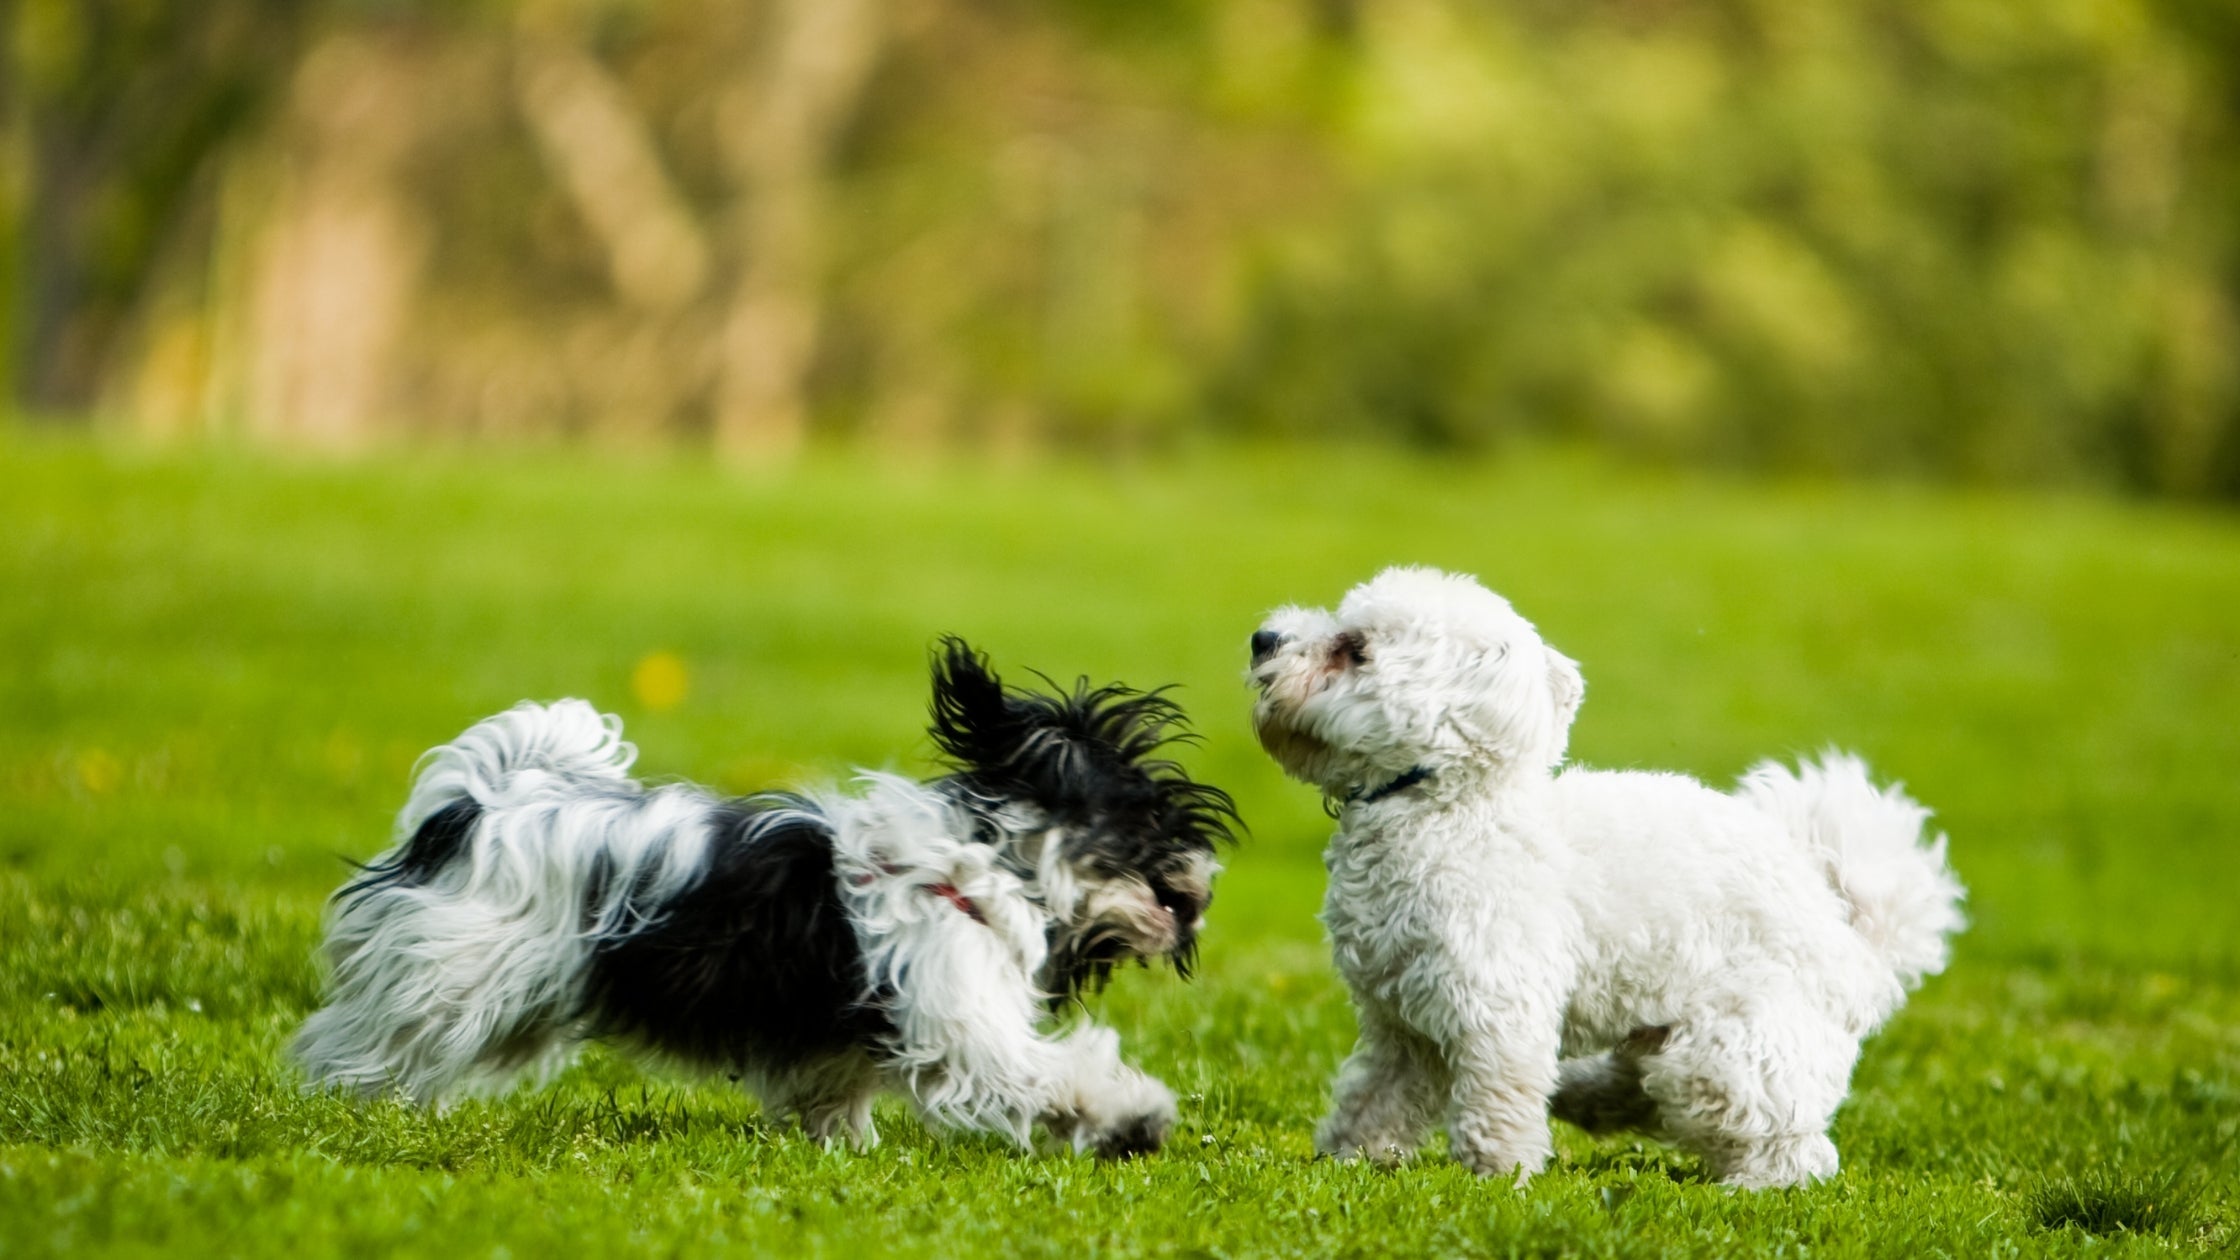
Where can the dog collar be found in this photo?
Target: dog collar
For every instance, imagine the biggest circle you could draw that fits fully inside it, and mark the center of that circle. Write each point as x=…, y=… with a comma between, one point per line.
x=945, y=890
x=950, y=894
x=1370, y=796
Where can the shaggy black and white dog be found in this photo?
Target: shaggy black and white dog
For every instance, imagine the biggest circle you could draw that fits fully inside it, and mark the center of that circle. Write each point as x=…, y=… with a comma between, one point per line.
x=820, y=948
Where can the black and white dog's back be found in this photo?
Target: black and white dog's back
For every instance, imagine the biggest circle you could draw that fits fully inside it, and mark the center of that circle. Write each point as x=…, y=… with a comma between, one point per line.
x=821, y=948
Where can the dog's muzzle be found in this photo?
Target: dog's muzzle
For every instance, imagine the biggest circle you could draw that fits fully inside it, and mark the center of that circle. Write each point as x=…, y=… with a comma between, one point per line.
x=1264, y=645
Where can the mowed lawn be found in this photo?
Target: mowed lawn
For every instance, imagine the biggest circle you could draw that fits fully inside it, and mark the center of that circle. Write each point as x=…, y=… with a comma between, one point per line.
x=216, y=671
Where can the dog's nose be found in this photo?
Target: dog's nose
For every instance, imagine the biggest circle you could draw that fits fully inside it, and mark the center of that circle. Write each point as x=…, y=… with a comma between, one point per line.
x=1264, y=644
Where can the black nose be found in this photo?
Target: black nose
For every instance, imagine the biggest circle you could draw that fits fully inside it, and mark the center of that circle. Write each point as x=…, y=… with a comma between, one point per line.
x=1264, y=644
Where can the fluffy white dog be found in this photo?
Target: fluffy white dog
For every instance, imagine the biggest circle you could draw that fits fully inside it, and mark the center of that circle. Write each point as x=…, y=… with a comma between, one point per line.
x=1632, y=949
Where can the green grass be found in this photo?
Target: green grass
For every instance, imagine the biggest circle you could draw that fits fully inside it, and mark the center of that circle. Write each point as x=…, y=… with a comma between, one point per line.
x=215, y=672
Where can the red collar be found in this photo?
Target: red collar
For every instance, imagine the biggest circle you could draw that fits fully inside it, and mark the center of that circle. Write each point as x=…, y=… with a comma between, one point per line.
x=948, y=892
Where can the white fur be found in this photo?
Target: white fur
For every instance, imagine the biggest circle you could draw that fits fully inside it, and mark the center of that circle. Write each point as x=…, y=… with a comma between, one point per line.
x=476, y=978
x=1636, y=946
x=968, y=1050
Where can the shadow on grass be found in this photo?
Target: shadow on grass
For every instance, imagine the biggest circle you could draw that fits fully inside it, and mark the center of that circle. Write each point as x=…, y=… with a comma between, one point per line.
x=2110, y=1201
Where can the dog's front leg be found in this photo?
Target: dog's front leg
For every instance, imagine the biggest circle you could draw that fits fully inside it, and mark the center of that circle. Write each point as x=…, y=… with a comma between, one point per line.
x=1104, y=1104
x=969, y=1049
x=1388, y=1094
x=1503, y=1076
x=1007, y=1076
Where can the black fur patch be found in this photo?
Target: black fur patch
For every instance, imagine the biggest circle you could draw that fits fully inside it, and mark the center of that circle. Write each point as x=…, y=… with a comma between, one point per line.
x=441, y=838
x=755, y=963
x=1142, y=1136
x=1091, y=760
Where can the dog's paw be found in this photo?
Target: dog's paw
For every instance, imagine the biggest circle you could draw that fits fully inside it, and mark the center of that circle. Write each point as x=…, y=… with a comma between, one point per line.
x=1383, y=1155
x=1385, y=1151
x=1519, y=1169
x=1127, y=1114
x=1135, y=1135
x=1794, y=1160
x=1517, y=1161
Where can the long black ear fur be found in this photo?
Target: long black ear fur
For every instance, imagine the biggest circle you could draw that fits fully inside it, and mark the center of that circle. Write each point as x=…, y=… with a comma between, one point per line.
x=973, y=721
x=1088, y=757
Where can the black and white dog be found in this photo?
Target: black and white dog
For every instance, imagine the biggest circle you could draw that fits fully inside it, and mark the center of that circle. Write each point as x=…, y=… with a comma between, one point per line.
x=820, y=948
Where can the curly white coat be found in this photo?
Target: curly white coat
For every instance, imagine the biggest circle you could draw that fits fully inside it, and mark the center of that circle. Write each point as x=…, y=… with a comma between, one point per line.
x=1635, y=949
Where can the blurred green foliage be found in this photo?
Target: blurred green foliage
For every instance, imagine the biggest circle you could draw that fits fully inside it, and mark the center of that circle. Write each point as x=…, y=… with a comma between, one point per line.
x=116, y=110
x=1963, y=235
x=1968, y=239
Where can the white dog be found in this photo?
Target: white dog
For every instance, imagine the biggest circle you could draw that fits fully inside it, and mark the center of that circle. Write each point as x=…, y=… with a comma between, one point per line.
x=1631, y=948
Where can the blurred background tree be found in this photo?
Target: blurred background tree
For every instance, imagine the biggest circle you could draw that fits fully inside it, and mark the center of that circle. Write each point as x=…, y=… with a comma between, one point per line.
x=1966, y=239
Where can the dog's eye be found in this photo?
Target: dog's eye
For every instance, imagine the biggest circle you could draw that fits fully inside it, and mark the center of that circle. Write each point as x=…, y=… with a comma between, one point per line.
x=1184, y=907
x=1351, y=646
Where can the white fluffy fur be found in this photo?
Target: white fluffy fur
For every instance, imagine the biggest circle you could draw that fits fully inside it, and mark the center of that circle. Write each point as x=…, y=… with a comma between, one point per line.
x=969, y=1050
x=477, y=977
x=1639, y=948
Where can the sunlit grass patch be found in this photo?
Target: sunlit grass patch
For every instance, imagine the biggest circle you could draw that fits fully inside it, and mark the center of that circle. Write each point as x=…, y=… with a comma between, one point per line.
x=217, y=675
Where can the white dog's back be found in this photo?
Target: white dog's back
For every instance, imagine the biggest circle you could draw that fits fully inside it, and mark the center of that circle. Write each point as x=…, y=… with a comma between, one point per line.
x=1691, y=898
x=1812, y=871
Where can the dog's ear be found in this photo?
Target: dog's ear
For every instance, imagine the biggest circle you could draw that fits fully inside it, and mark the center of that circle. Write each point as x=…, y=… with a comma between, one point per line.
x=1089, y=755
x=975, y=722
x=1567, y=685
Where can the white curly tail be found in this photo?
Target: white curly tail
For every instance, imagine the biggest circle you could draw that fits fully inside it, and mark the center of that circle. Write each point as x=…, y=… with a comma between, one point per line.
x=458, y=957
x=494, y=760
x=1904, y=899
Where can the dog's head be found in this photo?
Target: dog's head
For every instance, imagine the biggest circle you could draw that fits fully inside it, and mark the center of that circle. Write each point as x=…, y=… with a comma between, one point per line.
x=1076, y=787
x=1417, y=670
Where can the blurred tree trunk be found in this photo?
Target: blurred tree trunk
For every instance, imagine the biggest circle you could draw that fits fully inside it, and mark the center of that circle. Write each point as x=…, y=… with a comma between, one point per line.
x=334, y=267
x=603, y=152
x=597, y=143
x=61, y=338
x=15, y=185
x=783, y=124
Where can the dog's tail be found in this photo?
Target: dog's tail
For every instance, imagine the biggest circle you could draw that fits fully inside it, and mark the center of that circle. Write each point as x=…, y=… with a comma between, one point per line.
x=1879, y=856
x=527, y=749
x=518, y=751
x=443, y=979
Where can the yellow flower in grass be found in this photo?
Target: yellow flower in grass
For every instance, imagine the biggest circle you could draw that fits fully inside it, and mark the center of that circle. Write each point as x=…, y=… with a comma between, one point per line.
x=660, y=681
x=98, y=771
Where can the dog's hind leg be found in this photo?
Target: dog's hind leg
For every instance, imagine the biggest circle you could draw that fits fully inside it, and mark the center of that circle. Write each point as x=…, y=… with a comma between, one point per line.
x=1753, y=1091
x=1388, y=1095
x=1602, y=1093
x=830, y=1097
x=431, y=1000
